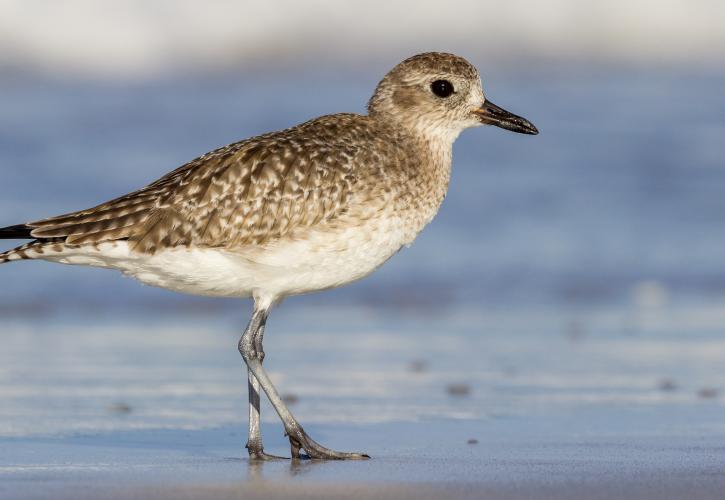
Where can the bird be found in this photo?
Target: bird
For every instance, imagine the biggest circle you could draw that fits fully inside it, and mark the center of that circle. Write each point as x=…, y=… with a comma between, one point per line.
x=305, y=209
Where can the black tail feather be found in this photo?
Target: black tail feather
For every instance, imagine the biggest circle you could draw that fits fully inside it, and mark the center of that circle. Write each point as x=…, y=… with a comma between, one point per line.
x=18, y=232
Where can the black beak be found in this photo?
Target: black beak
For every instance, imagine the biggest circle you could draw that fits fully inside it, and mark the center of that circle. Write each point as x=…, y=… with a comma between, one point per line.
x=490, y=114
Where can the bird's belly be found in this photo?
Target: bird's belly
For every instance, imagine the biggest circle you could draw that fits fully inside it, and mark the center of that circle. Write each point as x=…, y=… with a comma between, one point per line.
x=328, y=259
x=321, y=260
x=198, y=271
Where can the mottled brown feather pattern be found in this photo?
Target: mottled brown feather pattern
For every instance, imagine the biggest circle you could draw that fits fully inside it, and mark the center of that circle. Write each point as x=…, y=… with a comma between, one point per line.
x=252, y=192
x=329, y=174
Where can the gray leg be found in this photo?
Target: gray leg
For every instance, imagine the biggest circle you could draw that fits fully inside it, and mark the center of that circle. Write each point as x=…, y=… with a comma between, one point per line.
x=248, y=347
x=254, y=442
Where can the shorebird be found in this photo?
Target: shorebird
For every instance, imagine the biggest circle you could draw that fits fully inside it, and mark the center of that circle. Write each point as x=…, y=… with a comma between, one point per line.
x=309, y=208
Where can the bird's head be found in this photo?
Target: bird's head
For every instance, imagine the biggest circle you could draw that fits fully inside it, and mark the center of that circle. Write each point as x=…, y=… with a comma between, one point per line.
x=440, y=94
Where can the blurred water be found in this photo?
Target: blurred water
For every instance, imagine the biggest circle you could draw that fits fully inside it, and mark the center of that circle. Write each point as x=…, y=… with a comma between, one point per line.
x=78, y=37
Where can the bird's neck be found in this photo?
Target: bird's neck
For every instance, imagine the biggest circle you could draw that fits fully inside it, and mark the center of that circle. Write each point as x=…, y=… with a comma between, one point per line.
x=440, y=152
x=428, y=177
x=430, y=170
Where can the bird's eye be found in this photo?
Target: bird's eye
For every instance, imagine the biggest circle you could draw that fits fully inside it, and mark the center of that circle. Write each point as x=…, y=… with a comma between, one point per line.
x=442, y=88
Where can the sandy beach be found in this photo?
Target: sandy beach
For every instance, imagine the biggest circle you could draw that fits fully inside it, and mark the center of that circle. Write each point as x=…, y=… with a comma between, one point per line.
x=432, y=459
x=605, y=414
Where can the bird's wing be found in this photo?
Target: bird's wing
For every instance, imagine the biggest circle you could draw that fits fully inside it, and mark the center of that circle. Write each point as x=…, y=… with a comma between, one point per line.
x=247, y=193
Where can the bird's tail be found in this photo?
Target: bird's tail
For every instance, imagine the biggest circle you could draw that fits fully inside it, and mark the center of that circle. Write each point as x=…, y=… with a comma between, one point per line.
x=19, y=232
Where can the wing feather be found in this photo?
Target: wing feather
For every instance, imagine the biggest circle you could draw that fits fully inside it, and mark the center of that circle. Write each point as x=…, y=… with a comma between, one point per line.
x=247, y=193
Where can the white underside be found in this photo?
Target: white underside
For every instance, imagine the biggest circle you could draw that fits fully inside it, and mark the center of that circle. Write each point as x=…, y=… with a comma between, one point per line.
x=320, y=261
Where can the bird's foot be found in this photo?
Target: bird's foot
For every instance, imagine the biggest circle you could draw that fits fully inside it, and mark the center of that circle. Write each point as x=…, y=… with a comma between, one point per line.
x=258, y=454
x=299, y=440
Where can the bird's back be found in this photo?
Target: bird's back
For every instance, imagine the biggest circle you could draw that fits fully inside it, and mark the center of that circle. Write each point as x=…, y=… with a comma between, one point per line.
x=244, y=193
x=324, y=174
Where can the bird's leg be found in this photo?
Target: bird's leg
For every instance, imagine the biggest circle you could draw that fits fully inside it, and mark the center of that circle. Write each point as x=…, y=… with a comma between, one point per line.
x=299, y=439
x=254, y=442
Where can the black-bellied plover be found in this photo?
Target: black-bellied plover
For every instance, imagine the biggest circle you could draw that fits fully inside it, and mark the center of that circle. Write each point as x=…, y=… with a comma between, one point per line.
x=309, y=208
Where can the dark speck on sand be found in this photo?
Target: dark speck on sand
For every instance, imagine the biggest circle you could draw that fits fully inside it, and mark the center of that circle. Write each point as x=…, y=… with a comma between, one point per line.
x=290, y=399
x=458, y=389
x=418, y=366
x=667, y=385
x=708, y=393
x=120, y=408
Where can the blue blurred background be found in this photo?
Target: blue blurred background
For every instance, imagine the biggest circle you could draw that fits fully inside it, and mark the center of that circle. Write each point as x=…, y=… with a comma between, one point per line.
x=609, y=224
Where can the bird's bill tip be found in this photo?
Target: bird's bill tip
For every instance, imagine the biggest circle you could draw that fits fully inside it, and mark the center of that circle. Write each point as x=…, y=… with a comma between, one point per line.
x=491, y=114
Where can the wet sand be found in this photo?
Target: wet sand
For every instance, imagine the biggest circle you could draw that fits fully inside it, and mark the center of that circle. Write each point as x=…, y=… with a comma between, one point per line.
x=593, y=454
x=659, y=488
x=503, y=406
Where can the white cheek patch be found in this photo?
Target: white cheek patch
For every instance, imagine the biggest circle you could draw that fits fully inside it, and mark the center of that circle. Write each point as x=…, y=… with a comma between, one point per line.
x=477, y=96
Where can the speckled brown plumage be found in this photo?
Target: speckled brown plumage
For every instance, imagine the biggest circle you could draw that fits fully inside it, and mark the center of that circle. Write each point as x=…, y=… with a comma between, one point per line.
x=257, y=190
x=327, y=174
